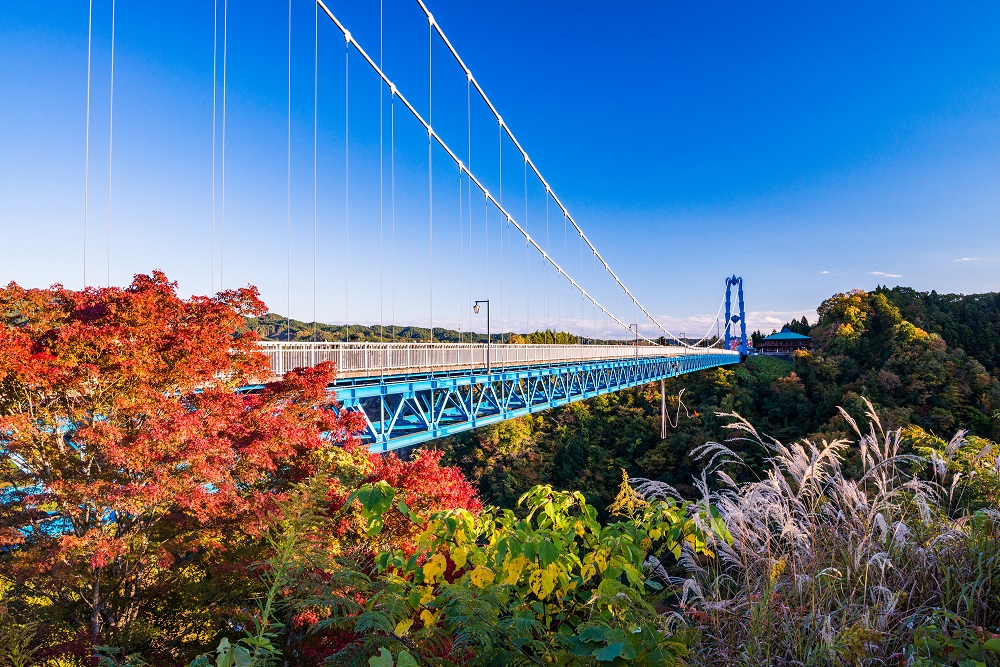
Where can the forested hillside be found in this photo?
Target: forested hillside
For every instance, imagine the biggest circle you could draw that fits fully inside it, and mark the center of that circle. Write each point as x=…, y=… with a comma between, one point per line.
x=970, y=322
x=866, y=348
x=278, y=328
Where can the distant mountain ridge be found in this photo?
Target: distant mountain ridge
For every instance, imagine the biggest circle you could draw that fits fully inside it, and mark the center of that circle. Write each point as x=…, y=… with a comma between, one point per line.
x=280, y=328
x=277, y=327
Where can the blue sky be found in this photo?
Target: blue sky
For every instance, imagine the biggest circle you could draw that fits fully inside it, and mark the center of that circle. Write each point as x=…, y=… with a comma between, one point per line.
x=810, y=149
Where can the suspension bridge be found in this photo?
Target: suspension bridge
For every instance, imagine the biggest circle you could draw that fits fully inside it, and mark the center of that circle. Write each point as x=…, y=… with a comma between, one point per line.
x=411, y=221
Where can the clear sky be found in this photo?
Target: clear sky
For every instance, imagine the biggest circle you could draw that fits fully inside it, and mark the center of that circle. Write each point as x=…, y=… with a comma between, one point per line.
x=809, y=148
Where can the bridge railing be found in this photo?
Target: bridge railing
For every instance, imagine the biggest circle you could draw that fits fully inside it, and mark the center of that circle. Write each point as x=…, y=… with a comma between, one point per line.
x=359, y=359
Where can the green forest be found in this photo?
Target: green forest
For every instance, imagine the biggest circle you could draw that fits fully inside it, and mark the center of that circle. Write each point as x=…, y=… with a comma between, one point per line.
x=278, y=328
x=940, y=379
x=841, y=507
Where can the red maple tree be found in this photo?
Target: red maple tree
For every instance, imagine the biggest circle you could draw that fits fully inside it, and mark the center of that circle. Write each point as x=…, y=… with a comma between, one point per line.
x=422, y=483
x=126, y=444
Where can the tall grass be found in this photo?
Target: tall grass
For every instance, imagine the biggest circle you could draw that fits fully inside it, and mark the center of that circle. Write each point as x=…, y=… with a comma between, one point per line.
x=879, y=567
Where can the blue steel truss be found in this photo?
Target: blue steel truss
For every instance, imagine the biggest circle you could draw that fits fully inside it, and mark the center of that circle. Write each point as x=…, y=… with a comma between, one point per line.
x=406, y=411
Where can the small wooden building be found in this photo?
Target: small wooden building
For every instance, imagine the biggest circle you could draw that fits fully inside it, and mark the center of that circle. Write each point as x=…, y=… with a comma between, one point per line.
x=783, y=343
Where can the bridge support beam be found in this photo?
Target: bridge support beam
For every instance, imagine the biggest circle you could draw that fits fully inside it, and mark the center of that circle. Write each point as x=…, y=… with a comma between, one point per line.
x=406, y=412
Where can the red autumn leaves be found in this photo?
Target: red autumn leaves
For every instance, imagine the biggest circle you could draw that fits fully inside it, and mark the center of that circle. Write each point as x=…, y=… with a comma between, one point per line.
x=124, y=443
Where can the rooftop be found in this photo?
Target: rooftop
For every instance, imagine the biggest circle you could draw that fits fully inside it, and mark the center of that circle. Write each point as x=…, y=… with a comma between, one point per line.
x=785, y=334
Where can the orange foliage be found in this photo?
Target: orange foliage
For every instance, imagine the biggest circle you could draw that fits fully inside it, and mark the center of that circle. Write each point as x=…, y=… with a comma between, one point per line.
x=127, y=443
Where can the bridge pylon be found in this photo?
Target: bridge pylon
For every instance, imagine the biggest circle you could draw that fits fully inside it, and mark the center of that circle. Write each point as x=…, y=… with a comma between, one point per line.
x=733, y=319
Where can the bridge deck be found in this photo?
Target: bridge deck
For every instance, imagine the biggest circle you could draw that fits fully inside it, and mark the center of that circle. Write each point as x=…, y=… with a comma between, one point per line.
x=378, y=360
x=410, y=393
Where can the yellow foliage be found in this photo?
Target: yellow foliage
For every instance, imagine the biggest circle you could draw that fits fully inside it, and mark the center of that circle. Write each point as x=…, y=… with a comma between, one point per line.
x=542, y=582
x=481, y=576
x=403, y=626
x=628, y=502
x=428, y=617
x=601, y=560
x=777, y=567
x=434, y=567
x=514, y=568
x=459, y=555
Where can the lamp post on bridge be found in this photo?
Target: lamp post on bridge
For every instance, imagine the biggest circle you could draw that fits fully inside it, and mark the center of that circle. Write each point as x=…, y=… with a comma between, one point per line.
x=636, y=328
x=475, y=309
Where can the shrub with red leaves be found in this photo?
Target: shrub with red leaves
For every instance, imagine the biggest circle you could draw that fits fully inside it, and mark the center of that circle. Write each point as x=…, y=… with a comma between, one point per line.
x=127, y=449
x=422, y=483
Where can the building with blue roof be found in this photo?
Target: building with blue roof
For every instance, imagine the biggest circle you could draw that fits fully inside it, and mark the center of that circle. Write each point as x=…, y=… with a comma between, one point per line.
x=783, y=343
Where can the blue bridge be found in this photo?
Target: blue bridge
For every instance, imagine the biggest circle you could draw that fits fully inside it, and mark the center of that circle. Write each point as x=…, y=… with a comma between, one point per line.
x=412, y=393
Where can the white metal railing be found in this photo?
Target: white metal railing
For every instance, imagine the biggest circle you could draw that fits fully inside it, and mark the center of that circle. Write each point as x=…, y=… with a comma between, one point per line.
x=373, y=359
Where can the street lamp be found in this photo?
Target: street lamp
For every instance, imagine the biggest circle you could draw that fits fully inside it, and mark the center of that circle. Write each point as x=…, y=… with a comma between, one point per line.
x=475, y=309
x=636, y=327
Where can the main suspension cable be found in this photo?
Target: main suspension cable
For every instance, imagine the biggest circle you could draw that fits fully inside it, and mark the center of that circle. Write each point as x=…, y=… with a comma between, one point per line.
x=585, y=295
x=534, y=168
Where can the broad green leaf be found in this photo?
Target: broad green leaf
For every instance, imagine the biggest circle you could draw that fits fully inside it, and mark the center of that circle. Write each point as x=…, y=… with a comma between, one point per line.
x=225, y=650
x=374, y=527
x=405, y=660
x=548, y=553
x=376, y=498
x=242, y=656
x=403, y=508
x=593, y=634
x=383, y=659
x=609, y=652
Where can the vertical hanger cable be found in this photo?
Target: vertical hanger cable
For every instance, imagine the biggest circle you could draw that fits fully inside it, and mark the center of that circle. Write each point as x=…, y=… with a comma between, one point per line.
x=222, y=185
x=288, y=240
x=215, y=106
x=111, y=134
x=430, y=165
x=381, y=181
x=347, y=190
x=86, y=154
x=315, y=171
